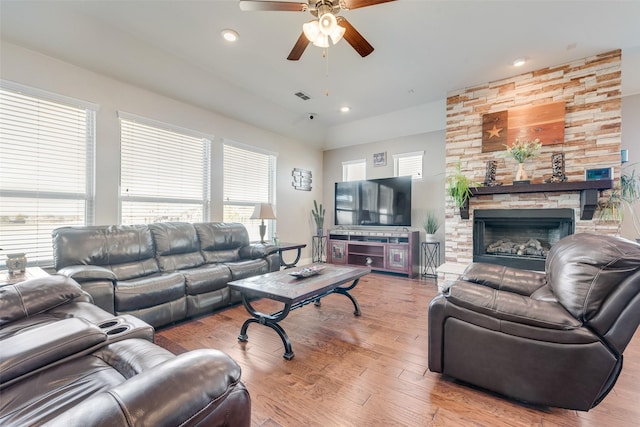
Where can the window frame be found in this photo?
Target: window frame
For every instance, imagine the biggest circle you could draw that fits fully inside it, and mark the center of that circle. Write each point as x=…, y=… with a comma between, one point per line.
x=252, y=224
x=397, y=158
x=348, y=163
x=87, y=197
x=205, y=139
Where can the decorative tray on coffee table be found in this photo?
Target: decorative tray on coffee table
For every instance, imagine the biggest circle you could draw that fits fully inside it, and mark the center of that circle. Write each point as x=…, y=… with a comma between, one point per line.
x=307, y=271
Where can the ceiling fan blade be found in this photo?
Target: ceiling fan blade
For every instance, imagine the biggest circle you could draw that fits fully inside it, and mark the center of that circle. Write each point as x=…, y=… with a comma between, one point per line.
x=259, y=6
x=354, y=38
x=298, y=48
x=356, y=4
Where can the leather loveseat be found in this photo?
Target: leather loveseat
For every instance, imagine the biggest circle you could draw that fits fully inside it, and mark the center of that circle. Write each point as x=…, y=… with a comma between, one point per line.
x=65, y=362
x=162, y=272
x=552, y=338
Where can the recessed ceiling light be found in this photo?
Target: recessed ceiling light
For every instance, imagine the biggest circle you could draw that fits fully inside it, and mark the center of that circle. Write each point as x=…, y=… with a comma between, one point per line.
x=230, y=35
x=519, y=62
x=345, y=109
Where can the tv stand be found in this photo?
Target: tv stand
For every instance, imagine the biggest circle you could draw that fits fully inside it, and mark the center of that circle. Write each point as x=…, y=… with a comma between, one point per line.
x=393, y=251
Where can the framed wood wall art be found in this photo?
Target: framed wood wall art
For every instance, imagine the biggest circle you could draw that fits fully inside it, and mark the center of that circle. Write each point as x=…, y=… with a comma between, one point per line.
x=544, y=122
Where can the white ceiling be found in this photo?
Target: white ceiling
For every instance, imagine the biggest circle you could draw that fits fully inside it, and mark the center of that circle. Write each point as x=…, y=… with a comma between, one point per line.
x=423, y=49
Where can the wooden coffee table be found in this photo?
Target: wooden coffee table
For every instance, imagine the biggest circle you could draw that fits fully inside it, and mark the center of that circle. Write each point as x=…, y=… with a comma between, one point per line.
x=294, y=293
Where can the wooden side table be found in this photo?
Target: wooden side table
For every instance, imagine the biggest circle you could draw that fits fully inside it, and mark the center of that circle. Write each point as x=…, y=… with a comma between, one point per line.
x=29, y=273
x=288, y=247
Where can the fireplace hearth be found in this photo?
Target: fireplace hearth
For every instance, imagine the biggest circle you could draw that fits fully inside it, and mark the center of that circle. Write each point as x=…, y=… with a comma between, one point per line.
x=519, y=238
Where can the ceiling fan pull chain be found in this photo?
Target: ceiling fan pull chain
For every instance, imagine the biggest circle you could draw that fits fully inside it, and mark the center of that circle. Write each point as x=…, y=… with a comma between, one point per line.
x=325, y=54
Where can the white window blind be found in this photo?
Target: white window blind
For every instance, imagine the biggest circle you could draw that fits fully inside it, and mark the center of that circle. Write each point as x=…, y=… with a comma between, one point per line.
x=408, y=164
x=249, y=179
x=46, y=168
x=164, y=173
x=354, y=170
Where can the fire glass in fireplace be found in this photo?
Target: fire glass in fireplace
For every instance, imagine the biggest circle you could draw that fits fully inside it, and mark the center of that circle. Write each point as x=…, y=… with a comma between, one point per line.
x=519, y=238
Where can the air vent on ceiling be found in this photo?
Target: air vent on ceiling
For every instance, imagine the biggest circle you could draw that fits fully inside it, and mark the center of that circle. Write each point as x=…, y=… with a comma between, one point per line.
x=302, y=96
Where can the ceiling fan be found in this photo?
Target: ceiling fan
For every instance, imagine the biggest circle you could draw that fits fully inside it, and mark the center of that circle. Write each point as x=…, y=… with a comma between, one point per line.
x=328, y=25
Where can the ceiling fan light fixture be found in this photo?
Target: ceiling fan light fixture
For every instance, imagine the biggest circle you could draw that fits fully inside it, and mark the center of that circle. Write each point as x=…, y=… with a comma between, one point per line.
x=321, y=41
x=337, y=34
x=328, y=23
x=311, y=30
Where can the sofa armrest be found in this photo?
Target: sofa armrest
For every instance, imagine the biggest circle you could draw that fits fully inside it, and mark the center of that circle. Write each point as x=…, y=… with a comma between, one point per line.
x=194, y=388
x=37, y=347
x=257, y=250
x=83, y=273
x=523, y=282
x=98, y=282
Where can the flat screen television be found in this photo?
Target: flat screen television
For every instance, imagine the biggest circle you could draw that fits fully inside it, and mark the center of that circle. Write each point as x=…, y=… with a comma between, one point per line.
x=373, y=202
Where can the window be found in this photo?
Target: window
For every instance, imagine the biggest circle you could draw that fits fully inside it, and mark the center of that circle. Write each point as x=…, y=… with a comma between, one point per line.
x=164, y=172
x=408, y=164
x=46, y=168
x=249, y=179
x=354, y=170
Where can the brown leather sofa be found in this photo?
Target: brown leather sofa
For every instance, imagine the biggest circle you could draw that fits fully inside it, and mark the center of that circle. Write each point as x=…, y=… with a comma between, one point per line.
x=163, y=272
x=65, y=362
x=552, y=338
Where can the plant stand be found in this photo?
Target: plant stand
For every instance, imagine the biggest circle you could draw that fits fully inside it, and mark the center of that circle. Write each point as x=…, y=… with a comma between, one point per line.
x=430, y=255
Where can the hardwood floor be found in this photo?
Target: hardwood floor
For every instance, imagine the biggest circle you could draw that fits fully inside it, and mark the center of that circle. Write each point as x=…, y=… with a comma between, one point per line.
x=372, y=370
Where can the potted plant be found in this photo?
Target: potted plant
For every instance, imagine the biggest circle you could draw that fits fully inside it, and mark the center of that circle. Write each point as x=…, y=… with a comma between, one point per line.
x=431, y=224
x=459, y=188
x=318, y=217
x=521, y=151
x=621, y=199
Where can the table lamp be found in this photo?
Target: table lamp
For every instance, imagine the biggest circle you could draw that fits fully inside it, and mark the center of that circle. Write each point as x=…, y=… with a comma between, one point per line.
x=263, y=211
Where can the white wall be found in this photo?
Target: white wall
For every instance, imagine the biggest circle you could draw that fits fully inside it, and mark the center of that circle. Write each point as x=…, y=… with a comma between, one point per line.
x=631, y=141
x=293, y=206
x=428, y=193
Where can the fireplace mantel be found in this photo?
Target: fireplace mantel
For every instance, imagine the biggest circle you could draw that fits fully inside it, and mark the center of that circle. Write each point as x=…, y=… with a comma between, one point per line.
x=588, y=193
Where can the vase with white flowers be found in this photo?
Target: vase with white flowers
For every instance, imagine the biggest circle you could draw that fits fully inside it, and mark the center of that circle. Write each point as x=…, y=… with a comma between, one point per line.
x=521, y=151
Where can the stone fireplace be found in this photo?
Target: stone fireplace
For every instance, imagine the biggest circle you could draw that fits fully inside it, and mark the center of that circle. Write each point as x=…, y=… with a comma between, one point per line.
x=519, y=238
x=591, y=91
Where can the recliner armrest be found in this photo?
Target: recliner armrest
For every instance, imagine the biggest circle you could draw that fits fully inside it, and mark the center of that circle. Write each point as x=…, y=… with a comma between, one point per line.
x=194, y=388
x=32, y=349
x=257, y=250
x=83, y=273
x=523, y=282
x=511, y=306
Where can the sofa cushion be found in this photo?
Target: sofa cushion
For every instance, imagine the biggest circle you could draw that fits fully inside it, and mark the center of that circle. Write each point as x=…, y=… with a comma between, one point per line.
x=35, y=296
x=221, y=242
x=247, y=268
x=583, y=270
x=127, y=250
x=148, y=291
x=206, y=278
x=177, y=245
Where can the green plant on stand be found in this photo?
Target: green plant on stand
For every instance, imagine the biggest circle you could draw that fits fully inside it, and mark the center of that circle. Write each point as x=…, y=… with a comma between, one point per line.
x=431, y=224
x=459, y=188
x=318, y=217
x=623, y=196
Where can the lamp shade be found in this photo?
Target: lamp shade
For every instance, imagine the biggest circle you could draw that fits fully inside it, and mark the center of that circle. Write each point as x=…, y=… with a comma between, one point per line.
x=263, y=211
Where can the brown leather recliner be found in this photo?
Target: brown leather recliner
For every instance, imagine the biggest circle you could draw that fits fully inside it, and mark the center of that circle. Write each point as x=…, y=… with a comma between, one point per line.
x=552, y=338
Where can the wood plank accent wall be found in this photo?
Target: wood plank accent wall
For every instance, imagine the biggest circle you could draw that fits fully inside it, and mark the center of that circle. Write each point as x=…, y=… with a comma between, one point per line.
x=591, y=90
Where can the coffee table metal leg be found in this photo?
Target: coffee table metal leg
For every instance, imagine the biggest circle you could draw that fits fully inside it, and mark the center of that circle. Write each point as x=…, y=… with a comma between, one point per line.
x=345, y=292
x=352, y=298
x=270, y=320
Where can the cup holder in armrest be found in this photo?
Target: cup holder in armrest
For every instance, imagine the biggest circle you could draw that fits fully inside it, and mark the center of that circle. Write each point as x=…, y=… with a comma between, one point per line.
x=108, y=324
x=126, y=326
x=118, y=330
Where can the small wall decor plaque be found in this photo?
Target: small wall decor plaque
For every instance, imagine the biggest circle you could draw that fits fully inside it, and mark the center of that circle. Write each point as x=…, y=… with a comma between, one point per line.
x=380, y=159
x=301, y=179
